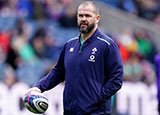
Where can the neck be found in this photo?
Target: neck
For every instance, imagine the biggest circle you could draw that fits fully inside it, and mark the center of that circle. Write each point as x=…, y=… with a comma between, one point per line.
x=87, y=36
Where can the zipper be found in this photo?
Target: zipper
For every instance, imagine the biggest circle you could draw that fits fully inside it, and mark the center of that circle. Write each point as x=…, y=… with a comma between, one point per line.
x=81, y=45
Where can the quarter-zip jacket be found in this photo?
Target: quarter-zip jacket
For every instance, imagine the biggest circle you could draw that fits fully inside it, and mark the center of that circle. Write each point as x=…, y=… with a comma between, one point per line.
x=92, y=75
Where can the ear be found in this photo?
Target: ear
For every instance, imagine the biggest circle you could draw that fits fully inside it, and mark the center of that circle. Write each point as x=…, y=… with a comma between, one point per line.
x=98, y=17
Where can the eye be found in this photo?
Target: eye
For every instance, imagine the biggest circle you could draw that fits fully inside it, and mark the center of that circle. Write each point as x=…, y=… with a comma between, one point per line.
x=87, y=15
x=80, y=15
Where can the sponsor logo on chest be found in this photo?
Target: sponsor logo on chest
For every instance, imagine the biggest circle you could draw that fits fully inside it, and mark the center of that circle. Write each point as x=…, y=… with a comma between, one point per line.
x=92, y=56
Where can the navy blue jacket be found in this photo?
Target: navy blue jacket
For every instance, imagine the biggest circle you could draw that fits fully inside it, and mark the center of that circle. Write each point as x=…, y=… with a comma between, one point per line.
x=92, y=75
x=157, y=63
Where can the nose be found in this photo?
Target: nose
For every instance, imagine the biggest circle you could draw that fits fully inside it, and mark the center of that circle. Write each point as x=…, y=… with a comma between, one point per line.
x=83, y=18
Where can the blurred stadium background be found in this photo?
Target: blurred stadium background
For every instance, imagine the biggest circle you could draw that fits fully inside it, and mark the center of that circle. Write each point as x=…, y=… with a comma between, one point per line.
x=33, y=32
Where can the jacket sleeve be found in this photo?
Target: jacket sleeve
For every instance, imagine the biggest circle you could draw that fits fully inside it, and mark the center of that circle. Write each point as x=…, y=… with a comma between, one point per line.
x=113, y=71
x=157, y=64
x=54, y=77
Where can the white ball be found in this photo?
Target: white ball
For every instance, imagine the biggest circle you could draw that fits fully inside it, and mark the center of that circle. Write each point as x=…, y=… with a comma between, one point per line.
x=36, y=102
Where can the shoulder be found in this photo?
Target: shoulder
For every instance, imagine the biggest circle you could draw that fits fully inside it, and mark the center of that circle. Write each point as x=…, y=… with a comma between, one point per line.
x=109, y=44
x=73, y=39
x=70, y=42
x=107, y=40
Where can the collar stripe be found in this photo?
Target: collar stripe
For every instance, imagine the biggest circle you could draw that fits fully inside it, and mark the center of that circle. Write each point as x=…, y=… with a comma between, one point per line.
x=72, y=39
x=103, y=40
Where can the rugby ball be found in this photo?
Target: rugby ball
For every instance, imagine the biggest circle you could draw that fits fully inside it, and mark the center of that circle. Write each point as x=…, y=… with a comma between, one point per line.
x=36, y=102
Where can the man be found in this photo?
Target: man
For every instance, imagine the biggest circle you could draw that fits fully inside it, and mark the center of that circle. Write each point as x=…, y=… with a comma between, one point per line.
x=90, y=65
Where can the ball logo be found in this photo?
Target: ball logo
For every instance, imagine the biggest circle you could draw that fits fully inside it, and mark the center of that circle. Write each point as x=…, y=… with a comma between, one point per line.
x=42, y=105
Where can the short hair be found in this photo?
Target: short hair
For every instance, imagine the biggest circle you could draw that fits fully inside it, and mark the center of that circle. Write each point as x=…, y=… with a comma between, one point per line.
x=96, y=8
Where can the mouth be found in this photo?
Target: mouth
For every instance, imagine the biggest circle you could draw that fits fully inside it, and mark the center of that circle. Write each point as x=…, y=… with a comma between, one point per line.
x=83, y=25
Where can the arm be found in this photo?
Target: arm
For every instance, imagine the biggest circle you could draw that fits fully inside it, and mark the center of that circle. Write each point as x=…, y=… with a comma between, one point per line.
x=157, y=64
x=114, y=71
x=54, y=77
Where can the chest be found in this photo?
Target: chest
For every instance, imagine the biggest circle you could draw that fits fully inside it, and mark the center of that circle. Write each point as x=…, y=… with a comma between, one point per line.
x=88, y=55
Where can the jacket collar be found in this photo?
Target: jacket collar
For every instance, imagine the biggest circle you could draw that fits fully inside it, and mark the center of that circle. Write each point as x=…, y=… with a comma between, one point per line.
x=93, y=37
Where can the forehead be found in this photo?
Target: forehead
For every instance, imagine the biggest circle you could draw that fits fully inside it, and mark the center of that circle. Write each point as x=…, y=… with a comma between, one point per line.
x=86, y=9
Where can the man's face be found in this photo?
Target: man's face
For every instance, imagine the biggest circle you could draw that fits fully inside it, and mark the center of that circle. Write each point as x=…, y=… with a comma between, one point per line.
x=86, y=19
